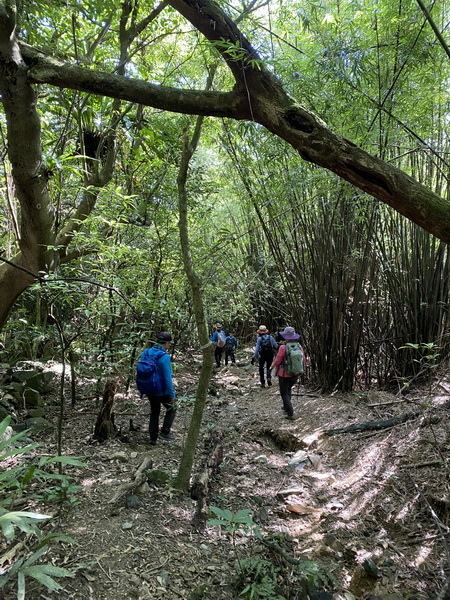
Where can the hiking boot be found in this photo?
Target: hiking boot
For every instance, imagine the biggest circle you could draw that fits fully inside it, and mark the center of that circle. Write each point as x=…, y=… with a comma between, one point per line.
x=167, y=436
x=291, y=417
x=263, y=385
x=269, y=382
x=152, y=442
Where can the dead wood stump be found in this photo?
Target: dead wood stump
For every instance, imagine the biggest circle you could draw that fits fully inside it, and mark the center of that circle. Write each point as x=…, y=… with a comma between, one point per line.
x=138, y=478
x=201, y=484
x=105, y=427
x=378, y=425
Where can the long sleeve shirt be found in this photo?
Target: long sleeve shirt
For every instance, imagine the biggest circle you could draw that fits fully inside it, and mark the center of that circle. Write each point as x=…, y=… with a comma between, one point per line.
x=259, y=341
x=215, y=335
x=165, y=371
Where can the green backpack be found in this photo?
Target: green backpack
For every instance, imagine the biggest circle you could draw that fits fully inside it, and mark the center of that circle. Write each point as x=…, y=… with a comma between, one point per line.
x=294, y=359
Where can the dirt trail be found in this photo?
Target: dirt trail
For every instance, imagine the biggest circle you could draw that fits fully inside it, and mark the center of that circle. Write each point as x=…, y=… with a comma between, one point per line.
x=362, y=501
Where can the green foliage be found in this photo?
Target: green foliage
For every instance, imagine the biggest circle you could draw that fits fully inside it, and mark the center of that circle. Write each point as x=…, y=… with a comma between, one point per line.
x=64, y=494
x=16, y=480
x=185, y=401
x=246, y=189
x=259, y=579
x=234, y=522
x=428, y=357
x=237, y=53
x=21, y=520
x=43, y=573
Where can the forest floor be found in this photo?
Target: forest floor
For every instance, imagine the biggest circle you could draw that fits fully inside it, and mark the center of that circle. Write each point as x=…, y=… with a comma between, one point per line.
x=367, y=515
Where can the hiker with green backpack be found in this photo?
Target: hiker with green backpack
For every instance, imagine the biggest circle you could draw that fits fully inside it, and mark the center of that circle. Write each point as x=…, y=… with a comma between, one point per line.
x=290, y=363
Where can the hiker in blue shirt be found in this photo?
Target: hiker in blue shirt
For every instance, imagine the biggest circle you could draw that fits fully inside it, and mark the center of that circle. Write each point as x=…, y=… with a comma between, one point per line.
x=265, y=349
x=230, y=344
x=165, y=395
x=219, y=336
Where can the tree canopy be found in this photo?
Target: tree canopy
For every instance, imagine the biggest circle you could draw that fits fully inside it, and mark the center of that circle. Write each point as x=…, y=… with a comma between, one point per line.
x=95, y=98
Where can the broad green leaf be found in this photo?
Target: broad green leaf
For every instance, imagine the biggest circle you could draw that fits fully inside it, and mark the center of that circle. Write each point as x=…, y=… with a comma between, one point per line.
x=40, y=575
x=222, y=513
x=17, y=451
x=4, y=424
x=35, y=556
x=51, y=570
x=20, y=586
x=58, y=537
x=28, y=476
x=63, y=459
x=217, y=522
x=29, y=515
x=7, y=528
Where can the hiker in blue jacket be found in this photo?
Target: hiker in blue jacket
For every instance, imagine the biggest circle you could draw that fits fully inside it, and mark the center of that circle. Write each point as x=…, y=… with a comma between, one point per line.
x=219, y=336
x=167, y=397
x=230, y=344
x=265, y=349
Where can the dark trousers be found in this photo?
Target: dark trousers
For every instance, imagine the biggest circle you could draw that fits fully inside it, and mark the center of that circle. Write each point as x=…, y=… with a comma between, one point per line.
x=286, y=385
x=264, y=361
x=229, y=354
x=155, y=409
x=218, y=355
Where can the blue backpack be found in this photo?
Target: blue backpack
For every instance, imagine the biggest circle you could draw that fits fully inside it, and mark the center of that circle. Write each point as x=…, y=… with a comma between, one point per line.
x=148, y=378
x=266, y=345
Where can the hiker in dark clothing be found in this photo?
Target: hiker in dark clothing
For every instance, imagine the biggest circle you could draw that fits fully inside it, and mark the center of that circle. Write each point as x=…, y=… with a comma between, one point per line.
x=265, y=349
x=230, y=344
x=219, y=336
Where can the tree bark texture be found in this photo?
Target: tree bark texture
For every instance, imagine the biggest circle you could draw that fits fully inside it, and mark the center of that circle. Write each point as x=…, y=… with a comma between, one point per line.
x=201, y=485
x=105, y=427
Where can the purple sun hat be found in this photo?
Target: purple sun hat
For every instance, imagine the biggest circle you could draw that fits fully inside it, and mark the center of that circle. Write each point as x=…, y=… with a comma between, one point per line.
x=289, y=334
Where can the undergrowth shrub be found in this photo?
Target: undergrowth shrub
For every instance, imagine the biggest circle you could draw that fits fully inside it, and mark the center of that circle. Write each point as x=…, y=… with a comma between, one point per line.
x=26, y=543
x=257, y=578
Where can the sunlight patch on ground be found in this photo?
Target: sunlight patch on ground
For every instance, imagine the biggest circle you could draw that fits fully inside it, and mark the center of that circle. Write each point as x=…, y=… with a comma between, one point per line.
x=89, y=482
x=55, y=367
x=370, y=463
x=405, y=510
x=368, y=466
x=422, y=555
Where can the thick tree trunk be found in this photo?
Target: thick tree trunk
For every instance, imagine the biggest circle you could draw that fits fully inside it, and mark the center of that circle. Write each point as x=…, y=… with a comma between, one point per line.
x=12, y=283
x=35, y=236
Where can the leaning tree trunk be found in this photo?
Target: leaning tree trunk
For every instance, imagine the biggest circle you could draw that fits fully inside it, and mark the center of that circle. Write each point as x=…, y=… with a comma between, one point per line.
x=187, y=460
